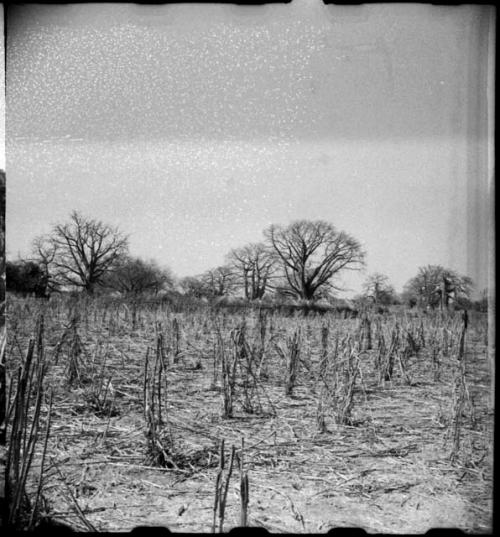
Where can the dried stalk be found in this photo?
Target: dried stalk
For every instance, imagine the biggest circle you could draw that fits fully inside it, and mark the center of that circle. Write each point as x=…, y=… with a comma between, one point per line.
x=25, y=417
x=223, y=497
x=291, y=355
x=228, y=376
x=34, y=513
x=218, y=485
x=159, y=444
x=244, y=491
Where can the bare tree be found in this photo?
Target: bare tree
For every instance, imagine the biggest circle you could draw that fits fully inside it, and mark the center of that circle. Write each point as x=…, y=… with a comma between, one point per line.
x=219, y=281
x=435, y=285
x=254, y=266
x=311, y=253
x=134, y=276
x=44, y=253
x=378, y=288
x=84, y=250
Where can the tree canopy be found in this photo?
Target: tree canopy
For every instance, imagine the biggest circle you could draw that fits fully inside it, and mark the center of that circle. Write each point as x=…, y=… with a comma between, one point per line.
x=214, y=283
x=435, y=285
x=220, y=281
x=311, y=253
x=254, y=265
x=80, y=252
x=134, y=276
x=26, y=277
x=301, y=260
x=194, y=286
x=378, y=288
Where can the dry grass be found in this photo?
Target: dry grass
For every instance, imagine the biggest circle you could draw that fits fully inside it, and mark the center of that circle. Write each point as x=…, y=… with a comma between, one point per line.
x=390, y=463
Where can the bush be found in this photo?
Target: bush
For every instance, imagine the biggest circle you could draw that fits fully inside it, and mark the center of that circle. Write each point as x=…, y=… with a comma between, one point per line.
x=26, y=278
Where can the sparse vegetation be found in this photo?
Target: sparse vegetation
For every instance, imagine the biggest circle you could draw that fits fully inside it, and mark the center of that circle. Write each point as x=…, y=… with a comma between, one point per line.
x=129, y=421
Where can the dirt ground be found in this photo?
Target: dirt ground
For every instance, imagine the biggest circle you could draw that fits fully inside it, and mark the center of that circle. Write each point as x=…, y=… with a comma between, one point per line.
x=387, y=472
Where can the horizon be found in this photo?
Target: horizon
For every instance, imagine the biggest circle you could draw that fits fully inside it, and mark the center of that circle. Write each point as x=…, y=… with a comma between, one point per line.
x=339, y=294
x=374, y=119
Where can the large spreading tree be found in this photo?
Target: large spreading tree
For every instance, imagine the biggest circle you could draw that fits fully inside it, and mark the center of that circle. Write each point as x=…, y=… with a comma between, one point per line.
x=82, y=251
x=311, y=253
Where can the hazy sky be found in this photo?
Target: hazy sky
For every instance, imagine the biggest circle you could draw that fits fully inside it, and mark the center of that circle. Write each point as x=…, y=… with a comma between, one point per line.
x=194, y=127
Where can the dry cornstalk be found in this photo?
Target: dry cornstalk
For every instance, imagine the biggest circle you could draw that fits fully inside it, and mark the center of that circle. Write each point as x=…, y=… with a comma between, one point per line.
x=176, y=338
x=229, y=366
x=365, y=333
x=23, y=418
x=218, y=485
x=290, y=353
x=244, y=491
x=159, y=444
x=221, y=488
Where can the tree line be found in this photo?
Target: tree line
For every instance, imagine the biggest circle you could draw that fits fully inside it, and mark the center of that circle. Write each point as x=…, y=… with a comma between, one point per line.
x=299, y=261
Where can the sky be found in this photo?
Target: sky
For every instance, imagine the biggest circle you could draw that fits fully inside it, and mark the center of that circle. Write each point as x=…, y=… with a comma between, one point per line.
x=194, y=127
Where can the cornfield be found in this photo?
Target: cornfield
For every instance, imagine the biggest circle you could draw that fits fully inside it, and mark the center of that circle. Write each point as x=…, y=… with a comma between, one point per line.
x=118, y=415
